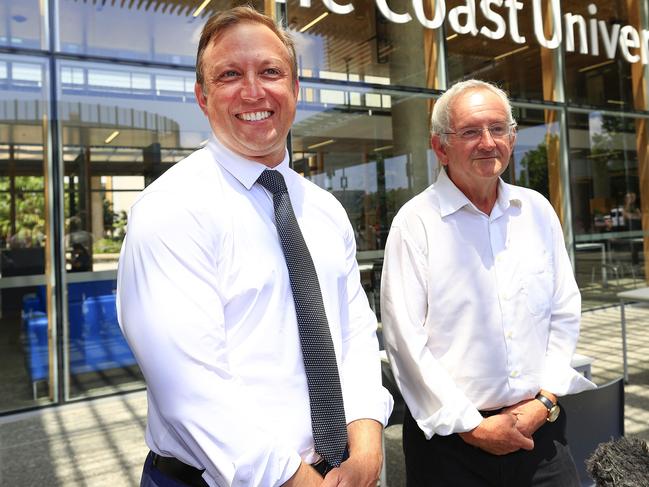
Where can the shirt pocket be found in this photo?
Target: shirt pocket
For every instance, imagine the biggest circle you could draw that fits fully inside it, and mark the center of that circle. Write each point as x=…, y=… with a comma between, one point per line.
x=537, y=284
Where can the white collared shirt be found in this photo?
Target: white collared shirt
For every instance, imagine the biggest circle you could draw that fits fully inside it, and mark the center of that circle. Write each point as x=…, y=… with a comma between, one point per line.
x=204, y=300
x=479, y=311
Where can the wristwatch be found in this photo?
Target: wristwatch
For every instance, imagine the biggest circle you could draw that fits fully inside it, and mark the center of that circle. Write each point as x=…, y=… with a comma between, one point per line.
x=553, y=409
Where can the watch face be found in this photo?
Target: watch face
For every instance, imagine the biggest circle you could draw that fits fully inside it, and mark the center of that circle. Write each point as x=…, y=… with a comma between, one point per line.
x=553, y=413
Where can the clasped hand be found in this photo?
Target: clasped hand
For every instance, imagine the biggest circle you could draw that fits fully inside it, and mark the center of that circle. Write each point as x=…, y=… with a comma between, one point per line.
x=509, y=431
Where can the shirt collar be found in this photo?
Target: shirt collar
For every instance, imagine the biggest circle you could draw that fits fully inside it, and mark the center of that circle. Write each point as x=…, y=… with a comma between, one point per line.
x=244, y=170
x=451, y=199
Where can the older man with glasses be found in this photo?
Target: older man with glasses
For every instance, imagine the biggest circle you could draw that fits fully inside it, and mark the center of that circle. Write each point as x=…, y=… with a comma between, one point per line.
x=481, y=311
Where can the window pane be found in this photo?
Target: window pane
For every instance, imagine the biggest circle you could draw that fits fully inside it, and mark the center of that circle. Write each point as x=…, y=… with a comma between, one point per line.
x=606, y=204
x=373, y=157
x=359, y=46
x=162, y=31
x=599, y=80
x=516, y=66
x=22, y=24
x=24, y=323
x=121, y=128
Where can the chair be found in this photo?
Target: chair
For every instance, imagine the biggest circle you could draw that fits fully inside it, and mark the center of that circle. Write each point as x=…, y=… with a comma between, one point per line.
x=594, y=417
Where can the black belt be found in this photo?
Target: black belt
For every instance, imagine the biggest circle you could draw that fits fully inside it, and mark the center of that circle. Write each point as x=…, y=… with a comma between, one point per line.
x=177, y=470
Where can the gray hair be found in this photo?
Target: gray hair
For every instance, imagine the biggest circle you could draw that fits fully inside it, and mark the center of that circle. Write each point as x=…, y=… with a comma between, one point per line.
x=440, y=121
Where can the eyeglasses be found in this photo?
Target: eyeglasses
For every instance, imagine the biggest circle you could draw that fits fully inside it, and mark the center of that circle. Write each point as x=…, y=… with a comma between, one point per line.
x=498, y=130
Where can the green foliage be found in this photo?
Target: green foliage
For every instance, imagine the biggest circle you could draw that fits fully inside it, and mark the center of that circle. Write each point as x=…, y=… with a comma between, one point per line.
x=30, y=210
x=107, y=246
x=535, y=165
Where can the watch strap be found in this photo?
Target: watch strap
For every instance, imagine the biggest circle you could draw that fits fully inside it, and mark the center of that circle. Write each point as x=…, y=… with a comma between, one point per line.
x=545, y=401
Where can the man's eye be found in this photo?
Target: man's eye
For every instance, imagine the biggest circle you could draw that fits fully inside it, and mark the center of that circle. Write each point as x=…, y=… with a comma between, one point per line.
x=272, y=71
x=470, y=133
x=498, y=130
x=229, y=74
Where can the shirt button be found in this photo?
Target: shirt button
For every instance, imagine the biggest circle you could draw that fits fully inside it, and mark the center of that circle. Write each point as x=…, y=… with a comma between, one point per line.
x=509, y=334
x=514, y=373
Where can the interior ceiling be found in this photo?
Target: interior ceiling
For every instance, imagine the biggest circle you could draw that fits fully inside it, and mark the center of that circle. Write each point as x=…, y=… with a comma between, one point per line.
x=175, y=7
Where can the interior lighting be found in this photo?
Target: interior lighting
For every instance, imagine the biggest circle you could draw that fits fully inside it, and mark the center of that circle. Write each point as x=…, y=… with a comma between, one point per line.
x=506, y=54
x=202, y=6
x=615, y=102
x=111, y=137
x=385, y=147
x=595, y=66
x=313, y=22
x=451, y=37
x=321, y=144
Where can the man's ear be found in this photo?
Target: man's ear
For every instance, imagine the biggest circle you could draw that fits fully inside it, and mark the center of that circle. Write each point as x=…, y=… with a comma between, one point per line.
x=439, y=148
x=200, y=97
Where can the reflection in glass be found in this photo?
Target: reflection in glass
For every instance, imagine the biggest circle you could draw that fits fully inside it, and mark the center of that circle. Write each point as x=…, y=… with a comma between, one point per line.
x=516, y=67
x=599, y=80
x=23, y=24
x=371, y=151
x=161, y=31
x=606, y=203
x=121, y=127
x=362, y=46
x=24, y=325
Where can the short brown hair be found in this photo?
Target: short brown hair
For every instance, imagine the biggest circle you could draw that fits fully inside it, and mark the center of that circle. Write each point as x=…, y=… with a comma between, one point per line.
x=218, y=23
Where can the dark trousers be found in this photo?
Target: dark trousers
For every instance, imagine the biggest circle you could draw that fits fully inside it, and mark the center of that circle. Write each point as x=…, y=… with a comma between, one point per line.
x=449, y=461
x=152, y=477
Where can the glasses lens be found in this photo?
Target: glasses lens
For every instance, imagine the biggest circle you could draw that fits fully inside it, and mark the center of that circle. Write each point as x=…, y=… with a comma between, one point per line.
x=470, y=133
x=499, y=129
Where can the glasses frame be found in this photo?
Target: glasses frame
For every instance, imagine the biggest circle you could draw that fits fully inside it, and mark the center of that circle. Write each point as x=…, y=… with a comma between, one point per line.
x=511, y=125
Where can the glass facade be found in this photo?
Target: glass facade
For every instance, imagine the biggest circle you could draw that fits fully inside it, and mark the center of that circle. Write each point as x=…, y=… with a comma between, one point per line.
x=96, y=101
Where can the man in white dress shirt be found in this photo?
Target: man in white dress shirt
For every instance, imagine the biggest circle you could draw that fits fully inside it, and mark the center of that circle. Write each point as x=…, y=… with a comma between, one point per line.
x=480, y=311
x=205, y=299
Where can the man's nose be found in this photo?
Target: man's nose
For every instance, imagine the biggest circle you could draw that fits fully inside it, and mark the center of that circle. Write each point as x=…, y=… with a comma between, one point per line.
x=486, y=140
x=252, y=87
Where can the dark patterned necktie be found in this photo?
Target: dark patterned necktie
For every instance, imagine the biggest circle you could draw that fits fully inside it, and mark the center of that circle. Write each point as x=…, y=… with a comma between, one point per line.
x=325, y=395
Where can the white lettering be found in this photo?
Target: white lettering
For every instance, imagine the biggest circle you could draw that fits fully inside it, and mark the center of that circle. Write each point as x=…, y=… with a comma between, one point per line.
x=594, y=41
x=438, y=18
x=555, y=42
x=629, y=38
x=645, y=46
x=454, y=18
x=571, y=20
x=514, y=6
x=633, y=43
x=610, y=41
x=501, y=27
x=337, y=8
x=390, y=15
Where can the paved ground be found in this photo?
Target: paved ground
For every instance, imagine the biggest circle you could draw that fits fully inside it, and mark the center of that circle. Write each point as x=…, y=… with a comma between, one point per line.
x=100, y=442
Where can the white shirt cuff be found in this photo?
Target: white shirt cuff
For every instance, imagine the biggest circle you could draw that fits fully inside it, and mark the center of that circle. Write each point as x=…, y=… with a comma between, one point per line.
x=560, y=380
x=449, y=420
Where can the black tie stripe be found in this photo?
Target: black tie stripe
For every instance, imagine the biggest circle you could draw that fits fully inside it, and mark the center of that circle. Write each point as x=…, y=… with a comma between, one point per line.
x=325, y=394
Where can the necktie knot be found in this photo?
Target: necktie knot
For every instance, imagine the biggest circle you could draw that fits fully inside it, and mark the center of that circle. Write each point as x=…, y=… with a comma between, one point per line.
x=273, y=181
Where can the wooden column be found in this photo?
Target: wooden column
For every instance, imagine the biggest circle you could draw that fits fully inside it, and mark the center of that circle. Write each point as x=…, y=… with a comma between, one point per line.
x=552, y=92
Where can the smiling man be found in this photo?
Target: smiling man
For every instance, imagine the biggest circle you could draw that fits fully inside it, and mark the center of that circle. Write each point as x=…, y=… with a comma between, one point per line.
x=480, y=311
x=239, y=293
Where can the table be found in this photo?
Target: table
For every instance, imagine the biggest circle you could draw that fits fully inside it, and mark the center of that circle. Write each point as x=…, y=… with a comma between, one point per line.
x=602, y=248
x=642, y=295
